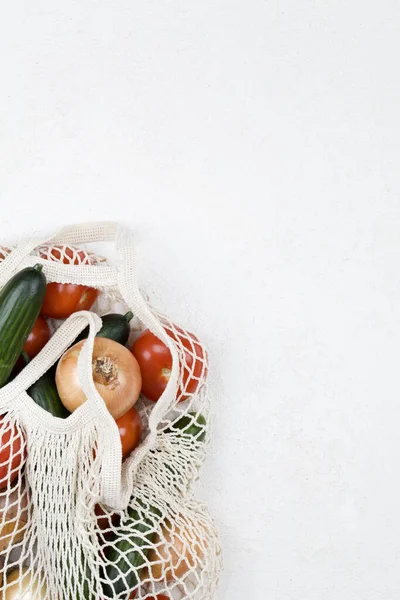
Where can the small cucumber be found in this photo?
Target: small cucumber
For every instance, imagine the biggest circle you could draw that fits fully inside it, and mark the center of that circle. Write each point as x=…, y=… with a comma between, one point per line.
x=115, y=327
x=44, y=393
x=192, y=424
x=127, y=555
x=20, y=302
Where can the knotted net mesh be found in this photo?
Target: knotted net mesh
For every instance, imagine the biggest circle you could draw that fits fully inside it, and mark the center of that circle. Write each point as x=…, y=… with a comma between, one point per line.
x=58, y=540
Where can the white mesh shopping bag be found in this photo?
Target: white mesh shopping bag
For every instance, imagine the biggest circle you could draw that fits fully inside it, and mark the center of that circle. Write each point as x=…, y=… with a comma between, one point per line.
x=152, y=538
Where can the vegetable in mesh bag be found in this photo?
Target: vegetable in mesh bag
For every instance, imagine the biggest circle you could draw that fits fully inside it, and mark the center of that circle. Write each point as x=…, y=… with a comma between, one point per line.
x=163, y=545
x=63, y=299
x=20, y=303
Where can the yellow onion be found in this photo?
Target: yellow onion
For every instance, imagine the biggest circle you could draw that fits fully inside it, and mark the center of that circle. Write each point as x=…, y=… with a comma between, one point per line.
x=175, y=552
x=14, y=516
x=116, y=375
x=23, y=585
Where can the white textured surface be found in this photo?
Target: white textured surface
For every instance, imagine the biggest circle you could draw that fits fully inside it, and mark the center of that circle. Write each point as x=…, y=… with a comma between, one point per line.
x=254, y=147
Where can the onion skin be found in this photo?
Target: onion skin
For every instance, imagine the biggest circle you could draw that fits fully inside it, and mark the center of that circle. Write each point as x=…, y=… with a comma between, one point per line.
x=15, y=591
x=116, y=376
x=12, y=527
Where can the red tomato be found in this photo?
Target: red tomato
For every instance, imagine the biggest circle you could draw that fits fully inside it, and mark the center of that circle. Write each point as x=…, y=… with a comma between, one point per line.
x=63, y=299
x=38, y=337
x=130, y=430
x=11, y=453
x=66, y=255
x=155, y=362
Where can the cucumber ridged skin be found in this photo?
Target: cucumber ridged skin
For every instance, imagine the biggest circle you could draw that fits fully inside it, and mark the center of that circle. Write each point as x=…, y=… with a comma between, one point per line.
x=20, y=302
x=128, y=552
x=115, y=327
x=44, y=393
x=193, y=424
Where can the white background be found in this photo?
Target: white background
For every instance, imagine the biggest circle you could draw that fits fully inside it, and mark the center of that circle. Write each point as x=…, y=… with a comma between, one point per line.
x=253, y=146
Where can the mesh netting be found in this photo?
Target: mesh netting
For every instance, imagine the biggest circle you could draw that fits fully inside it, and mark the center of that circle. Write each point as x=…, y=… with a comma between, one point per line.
x=68, y=255
x=59, y=539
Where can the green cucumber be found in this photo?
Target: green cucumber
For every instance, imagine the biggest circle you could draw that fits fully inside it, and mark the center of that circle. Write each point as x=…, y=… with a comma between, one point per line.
x=192, y=424
x=44, y=393
x=115, y=327
x=127, y=555
x=20, y=302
